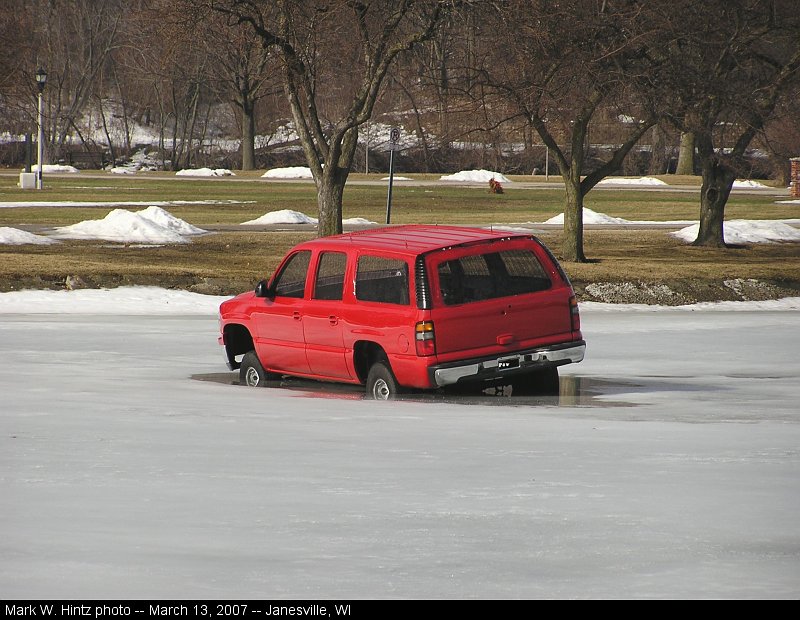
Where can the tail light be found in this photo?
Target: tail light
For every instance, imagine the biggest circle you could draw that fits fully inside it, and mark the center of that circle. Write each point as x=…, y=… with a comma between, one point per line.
x=574, y=314
x=424, y=338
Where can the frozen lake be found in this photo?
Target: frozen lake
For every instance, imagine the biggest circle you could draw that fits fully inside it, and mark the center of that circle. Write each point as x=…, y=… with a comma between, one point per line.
x=670, y=467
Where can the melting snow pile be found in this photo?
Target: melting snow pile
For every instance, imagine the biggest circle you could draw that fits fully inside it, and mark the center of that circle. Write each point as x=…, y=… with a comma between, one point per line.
x=287, y=216
x=151, y=226
x=590, y=217
x=14, y=236
x=746, y=231
x=476, y=176
x=292, y=172
x=748, y=184
x=284, y=216
x=54, y=169
x=205, y=172
x=632, y=181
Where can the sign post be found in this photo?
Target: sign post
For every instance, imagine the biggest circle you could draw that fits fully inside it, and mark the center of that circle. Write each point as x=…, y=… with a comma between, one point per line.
x=394, y=138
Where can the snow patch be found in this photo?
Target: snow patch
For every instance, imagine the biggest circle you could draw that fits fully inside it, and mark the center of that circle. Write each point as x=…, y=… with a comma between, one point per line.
x=475, y=176
x=150, y=226
x=55, y=169
x=164, y=218
x=14, y=236
x=746, y=231
x=590, y=217
x=204, y=172
x=128, y=300
x=291, y=172
x=284, y=216
x=749, y=184
x=647, y=181
x=358, y=221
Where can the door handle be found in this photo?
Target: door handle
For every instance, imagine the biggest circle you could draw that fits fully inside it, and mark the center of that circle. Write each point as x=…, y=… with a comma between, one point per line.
x=296, y=315
x=333, y=320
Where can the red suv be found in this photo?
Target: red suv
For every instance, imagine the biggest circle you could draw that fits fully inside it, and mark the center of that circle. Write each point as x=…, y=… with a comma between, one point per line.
x=408, y=307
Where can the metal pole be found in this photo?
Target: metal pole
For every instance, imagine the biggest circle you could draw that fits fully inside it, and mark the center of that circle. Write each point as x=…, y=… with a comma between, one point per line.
x=547, y=163
x=391, y=181
x=40, y=157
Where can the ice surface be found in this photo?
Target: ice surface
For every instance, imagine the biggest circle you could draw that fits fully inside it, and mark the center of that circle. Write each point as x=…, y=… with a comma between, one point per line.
x=121, y=477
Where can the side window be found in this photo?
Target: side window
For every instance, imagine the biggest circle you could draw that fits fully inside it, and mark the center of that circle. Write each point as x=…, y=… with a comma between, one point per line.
x=330, y=276
x=382, y=279
x=291, y=281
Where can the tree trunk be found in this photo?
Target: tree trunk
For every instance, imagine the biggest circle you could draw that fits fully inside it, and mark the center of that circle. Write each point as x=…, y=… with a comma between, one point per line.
x=686, y=155
x=658, y=152
x=329, y=200
x=572, y=243
x=331, y=182
x=717, y=183
x=248, y=136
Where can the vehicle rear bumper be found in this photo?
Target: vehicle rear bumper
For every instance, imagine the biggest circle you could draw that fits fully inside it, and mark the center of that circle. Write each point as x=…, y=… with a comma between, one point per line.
x=497, y=367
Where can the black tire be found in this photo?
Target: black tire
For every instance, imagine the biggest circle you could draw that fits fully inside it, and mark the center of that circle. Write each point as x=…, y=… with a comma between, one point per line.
x=252, y=373
x=539, y=383
x=381, y=384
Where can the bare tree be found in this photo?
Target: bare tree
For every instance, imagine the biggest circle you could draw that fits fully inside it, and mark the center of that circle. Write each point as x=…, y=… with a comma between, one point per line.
x=335, y=55
x=723, y=67
x=76, y=38
x=558, y=65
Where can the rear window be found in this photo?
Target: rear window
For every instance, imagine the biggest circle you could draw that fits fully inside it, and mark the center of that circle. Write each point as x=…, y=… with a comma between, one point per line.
x=380, y=279
x=488, y=276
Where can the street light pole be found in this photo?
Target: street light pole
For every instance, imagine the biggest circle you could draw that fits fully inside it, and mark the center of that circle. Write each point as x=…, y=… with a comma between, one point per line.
x=41, y=80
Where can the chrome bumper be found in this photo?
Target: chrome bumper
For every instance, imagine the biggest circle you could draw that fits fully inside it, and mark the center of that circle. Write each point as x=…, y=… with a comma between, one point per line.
x=496, y=367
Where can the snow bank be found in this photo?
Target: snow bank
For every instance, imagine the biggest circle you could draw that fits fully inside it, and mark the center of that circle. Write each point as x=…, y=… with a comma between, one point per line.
x=651, y=181
x=204, y=172
x=475, y=176
x=128, y=300
x=287, y=216
x=749, y=184
x=284, y=216
x=116, y=203
x=746, y=231
x=159, y=216
x=55, y=169
x=121, y=170
x=14, y=236
x=771, y=305
x=151, y=226
x=292, y=172
x=144, y=300
x=590, y=217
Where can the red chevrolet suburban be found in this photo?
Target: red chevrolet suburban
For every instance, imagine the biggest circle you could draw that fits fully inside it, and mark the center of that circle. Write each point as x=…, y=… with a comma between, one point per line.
x=408, y=307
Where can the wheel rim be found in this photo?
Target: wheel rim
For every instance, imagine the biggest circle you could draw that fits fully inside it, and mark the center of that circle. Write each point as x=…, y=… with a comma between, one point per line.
x=381, y=391
x=252, y=377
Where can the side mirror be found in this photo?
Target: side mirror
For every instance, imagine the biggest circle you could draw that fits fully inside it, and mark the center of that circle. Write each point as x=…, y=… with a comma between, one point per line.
x=263, y=290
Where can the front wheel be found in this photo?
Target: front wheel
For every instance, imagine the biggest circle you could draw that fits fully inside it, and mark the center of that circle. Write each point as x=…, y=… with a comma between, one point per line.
x=252, y=373
x=381, y=384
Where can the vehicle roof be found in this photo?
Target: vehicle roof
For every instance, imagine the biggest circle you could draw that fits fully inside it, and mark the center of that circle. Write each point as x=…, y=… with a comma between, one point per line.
x=414, y=239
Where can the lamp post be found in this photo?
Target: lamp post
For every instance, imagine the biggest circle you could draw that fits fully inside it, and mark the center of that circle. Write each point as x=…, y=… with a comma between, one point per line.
x=41, y=80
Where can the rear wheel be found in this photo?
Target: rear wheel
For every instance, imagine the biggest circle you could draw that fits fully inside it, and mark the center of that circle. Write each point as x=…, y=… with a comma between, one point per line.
x=381, y=384
x=252, y=373
x=539, y=383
